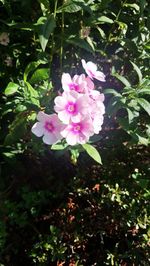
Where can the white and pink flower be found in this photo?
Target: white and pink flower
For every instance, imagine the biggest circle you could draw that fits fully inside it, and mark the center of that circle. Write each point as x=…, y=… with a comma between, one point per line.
x=80, y=132
x=96, y=102
x=80, y=110
x=49, y=126
x=77, y=83
x=91, y=70
x=70, y=106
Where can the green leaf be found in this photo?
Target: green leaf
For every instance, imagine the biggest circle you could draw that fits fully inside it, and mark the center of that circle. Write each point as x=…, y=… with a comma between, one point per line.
x=80, y=43
x=72, y=6
x=102, y=33
x=144, y=104
x=39, y=75
x=122, y=79
x=135, y=6
x=92, y=151
x=46, y=26
x=142, y=140
x=11, y=88
x=90, y=42
x=138, y=71
x=112, y=91
x=30, y=67
x=45, y=6
x=131, y=115
x=144, y=91
x=104, y=19
x=59, y=146
x=33, y=94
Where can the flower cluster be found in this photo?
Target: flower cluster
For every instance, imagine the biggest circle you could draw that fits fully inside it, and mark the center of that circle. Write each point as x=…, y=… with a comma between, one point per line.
x=79, y=110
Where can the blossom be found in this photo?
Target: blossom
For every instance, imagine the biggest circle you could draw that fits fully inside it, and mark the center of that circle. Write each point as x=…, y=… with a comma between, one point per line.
x=4, y=39
x=80, y=132
x=91, y=70
x=79, y=83
x=80, y=110
x=96, y=102
x=49, y=127
x=70, y=106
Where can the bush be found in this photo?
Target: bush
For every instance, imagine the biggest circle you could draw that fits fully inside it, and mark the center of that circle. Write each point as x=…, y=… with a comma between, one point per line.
x=59, y=208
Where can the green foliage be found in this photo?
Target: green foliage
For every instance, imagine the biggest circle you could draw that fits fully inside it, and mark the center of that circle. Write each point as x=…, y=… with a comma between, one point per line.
x=69, y=210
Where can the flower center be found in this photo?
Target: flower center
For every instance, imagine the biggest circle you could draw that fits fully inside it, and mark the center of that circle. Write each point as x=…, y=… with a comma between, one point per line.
x=74, y=87
x=71, y=108
x=76, y=128
x=49, y=127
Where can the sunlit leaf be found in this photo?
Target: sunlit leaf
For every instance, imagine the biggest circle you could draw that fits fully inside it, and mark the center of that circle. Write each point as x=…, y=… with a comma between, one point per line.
x=144, y=104
x=11, y=88
x=135, y=6
x=59, y=146
x=39, y=75
x=112, y=91
x=105, y=19
x=122, y=79
x=30, y=67
x=92, y=151
x=33, y=94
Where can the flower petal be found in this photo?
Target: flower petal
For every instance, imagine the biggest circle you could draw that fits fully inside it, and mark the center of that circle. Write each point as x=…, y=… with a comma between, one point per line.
x=64, y=116
x=49, y=138
x=66, y=80
x=99, y=76
x=38, y=129
x=71, y=139
x=42, y=116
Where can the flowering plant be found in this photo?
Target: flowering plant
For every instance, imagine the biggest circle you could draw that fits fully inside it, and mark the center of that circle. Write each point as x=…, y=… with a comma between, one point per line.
x=79, y=112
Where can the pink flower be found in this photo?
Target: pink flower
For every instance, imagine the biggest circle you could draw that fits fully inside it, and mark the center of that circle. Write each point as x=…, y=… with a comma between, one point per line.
x=78, y=133
x=91, y=70
x=96, y=105
x=71, y=106
x=49, y=127
x=96, y=109
x=77, y=83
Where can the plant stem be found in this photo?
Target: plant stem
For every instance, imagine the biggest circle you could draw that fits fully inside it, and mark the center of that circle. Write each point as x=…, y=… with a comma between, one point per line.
x=52, y=48
x=62, y=40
